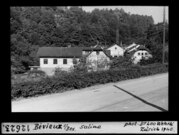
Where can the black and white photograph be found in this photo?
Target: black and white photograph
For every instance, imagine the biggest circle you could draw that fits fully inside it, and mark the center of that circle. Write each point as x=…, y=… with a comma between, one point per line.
x=89, y=58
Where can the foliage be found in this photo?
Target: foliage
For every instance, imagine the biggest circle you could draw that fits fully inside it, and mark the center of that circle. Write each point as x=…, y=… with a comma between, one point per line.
x=33, y=27
x=120, y=62
x=75, y=80
x=59, y=72
x=146, y=61
x=36, y=73
x=81, y=66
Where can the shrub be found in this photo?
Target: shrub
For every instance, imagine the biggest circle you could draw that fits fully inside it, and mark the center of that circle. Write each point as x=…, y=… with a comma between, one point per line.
x=81, y=67
x=36, y=73
x=120, y=63
x=59, y=72
x=76, y=80
x=146, y=61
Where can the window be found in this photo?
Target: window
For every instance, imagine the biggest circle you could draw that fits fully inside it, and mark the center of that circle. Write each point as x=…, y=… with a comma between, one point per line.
x=138, y=53
x=45, y=61
x=115, y=48
x=142, y=53
x=64, y=61
x=54, y=61
x=146, y=53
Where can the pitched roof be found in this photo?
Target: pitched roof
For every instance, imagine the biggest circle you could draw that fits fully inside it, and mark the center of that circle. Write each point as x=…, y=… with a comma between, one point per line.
x=60, y=52
x=130, y=46
x=141, y=47
x=67, y=52
x=135, y=47
x=108, y=53
x=113, y=45
x=130, y=54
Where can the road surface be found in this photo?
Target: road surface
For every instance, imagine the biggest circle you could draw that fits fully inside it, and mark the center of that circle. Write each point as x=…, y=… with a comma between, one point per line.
x=142, y=94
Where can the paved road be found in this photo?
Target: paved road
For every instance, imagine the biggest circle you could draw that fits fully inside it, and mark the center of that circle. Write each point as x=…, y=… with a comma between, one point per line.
x=143, y=94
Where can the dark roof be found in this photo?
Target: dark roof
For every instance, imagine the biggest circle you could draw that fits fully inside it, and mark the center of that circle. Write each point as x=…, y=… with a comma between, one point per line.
x=67, y=52
x=60, y=52
x=141, y=47
x=107, y=52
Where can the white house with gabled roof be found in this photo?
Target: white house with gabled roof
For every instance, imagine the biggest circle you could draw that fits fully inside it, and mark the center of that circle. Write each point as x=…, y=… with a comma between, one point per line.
x=98, y=59
x=137, y=52
x=58, y=57
x=116, y=50
x=66, y=57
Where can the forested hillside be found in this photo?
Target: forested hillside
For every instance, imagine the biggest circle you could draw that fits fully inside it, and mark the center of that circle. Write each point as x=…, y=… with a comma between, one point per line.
x=33, y=27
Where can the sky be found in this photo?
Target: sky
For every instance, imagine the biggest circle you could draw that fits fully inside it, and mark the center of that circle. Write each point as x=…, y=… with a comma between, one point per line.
x=155, y=11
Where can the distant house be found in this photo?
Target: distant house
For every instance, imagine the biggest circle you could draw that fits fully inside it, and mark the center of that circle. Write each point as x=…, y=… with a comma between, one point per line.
x=98, y=59
x=116, y=51
x=66, y=57
x=137, y=52
x=58, y=57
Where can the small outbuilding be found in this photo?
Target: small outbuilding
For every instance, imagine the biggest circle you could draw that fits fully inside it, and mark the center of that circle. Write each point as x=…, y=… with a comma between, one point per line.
x=116, y=50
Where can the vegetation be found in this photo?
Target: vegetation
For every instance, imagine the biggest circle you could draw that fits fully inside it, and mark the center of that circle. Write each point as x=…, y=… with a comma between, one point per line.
x=75, y=80
x=33, y=27
x=34, y=75
x=121, y=62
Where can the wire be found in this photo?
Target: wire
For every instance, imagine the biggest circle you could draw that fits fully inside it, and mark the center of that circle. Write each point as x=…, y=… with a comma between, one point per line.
x=149, y=35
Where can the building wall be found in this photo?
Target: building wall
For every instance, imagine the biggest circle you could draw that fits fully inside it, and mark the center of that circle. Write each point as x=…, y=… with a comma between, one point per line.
x=116, y=51
x=137, y=57
x=50, y=67
x=95, y=61
x=85, y=52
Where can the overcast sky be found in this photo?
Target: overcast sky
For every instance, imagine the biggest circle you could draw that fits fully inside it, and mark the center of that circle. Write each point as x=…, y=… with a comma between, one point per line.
x=155, y=11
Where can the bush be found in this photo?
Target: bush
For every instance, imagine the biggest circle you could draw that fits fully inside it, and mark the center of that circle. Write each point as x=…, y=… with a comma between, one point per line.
x=74, y=80
x=60, y=72
x=81, y=67
x=120, y=63
x=36, y=73
x=146, y=61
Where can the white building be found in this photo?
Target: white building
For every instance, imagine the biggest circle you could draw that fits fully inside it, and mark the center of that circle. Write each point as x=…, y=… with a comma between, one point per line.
x=58, y=57
x=98, y=59
x=65, y=58
x=137, y=56
x=116, y=51
x=137, y=52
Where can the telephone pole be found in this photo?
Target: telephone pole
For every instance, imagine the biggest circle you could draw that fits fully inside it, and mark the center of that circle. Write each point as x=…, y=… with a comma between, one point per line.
x=163, y=51
x=117, y=31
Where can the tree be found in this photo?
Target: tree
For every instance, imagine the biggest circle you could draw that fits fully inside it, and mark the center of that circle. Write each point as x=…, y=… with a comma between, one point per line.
x=34, y=27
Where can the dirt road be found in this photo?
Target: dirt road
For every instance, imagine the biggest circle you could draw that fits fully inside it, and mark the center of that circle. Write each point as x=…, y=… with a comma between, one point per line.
x=143, y=94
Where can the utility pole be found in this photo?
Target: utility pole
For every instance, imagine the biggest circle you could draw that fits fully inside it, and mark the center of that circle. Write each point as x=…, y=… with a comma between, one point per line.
x=163, y=51
x=117, y=14
x=117, y=31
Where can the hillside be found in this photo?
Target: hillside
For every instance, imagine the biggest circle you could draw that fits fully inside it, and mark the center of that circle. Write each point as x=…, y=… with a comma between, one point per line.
x=34, y=27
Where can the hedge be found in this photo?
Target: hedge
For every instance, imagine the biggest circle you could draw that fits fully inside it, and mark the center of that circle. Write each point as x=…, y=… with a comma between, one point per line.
x=77, y=81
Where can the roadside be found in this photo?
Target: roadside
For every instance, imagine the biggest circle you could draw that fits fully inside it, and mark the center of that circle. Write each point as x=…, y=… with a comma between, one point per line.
x=88, y=88
x=152, y=88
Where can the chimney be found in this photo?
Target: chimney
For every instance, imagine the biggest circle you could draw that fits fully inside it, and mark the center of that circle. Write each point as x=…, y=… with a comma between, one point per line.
x=121, y=44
